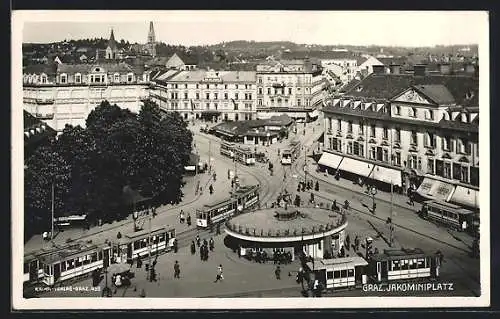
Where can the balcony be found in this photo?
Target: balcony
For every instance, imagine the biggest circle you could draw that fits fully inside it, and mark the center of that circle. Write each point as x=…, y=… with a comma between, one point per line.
x=278, y=84
x=44, y=101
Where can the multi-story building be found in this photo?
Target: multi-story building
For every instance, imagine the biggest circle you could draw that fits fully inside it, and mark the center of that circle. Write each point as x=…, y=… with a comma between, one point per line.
x=292, y=87
x=416, y=130
x=216, y=95
x=66, y=93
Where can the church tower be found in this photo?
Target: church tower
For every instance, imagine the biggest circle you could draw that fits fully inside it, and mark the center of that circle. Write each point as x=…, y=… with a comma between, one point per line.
x=151, y=43
x=112, y=49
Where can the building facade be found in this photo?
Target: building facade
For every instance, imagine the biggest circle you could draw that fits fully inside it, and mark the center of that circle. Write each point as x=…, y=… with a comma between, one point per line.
x=292, y=87
x=215, y=95
x=66, y=93
x=418, y=131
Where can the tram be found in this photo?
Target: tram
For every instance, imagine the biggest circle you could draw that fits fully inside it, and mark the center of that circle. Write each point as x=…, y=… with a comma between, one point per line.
x=451, y=215
x=227, y=149
x=80, y=259
x=244, y=155
x=291, y=153
x=245, y=198
x=389, y=266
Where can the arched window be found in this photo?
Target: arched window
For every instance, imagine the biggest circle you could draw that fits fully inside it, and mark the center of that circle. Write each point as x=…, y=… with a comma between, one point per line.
x=116, y=77
x=43, y=78
x=63, y=78
x=78, y=78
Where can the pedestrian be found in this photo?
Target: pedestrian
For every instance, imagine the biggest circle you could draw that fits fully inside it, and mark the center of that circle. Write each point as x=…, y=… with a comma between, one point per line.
x=193, y=248
x=215, y=175
x=139, y=262
x=177, y=270
x=277, y=272
x=229, y=174
x=181, y=216
x=198, y=240
x=348, y=241
x=220, y=275
x=211, y=189
x=239, y=252
x=211, y=244
x=356, y=243
x=175, y=246
x=188, y=219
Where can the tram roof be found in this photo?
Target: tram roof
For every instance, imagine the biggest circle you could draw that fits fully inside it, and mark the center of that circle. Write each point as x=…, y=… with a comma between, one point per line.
x=246, y=188
x=448, y=206
x=393, y=254
x=74, y=250
x=354, y=261
x=145, y=232
x=218, y=203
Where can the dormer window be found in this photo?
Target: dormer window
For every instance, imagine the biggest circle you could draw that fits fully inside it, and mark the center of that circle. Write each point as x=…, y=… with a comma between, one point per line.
x=429, y=114
x=116, y=77
x=130, y=77
x=64, y=78
x=397, y=110
x=43, y=79
x=78, y=78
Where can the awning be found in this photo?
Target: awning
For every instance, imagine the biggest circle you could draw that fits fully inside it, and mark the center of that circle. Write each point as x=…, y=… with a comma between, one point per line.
x=330, y=160
x=434, y=189
x=465, y=196
x=357, y=167
x=314, y=113
x=387, y=175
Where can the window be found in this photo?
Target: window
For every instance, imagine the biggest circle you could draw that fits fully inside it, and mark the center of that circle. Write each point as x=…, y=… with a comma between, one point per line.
x=329, y=275
x=43, y=78
x=412, y=112
x=385, y=155
x=361, y=128
x=464, y=174
x=430, y=114
x=446, y=143
x=236, y=95
x=130, y=77
x=207, y=96
x=397, y=135
x=349, y=148
x=339, y=125
x=413, y=161
x=78, y=78
x=397, y=110
x=197, y=95
x=372, y=131
x=216, y=105
x=185, y=105
x=208, y=86
x=207, y=106
x=269, y=91
x=197, y=86
x=236, y=86
x=413, y=138
x=385, y=134
x=64, y=78
x=335, y=145
x=260, y=90
x=116, y=77
x=349, y=127
x=298, y=102
x=343, y=273
x=447, y=170
x=397, y=158
x=185, y=86
x=430, y=166
x=289, y=91
x=430, y=140
x=336, y=274
x=260, y=80
x=185, y=95
x=216, y=96
x=373, y=152
x=260, y=101
x=350, y=272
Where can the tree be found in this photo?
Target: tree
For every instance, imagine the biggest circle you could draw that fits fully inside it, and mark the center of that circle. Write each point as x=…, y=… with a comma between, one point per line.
x=46, y=168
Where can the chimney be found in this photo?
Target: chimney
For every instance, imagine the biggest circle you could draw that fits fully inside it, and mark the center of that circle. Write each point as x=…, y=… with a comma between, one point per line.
x=395, y=69
x=470, y=68
x=378, y=69
x=419, y=69
x=444, y=68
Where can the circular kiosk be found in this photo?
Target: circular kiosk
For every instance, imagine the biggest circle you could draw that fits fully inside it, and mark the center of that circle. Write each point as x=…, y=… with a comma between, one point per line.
x=261, y=234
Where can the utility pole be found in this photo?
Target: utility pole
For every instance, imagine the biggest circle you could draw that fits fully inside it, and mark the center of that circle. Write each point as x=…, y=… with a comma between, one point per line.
x=53, y=195
x=305, y=164
x=209, y=156
x=391, y=238
x=149, y=246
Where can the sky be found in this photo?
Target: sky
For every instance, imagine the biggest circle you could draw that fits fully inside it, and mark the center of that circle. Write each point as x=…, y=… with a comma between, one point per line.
x=413, y=29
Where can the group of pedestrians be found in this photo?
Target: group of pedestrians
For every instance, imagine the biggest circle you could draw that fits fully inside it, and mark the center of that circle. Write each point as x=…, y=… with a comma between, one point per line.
x=183, y=219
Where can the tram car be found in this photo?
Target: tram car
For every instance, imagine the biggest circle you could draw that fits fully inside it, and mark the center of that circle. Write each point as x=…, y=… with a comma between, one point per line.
x=245, y=198
x=244, y=155
x=451, y=215
x=227, y=149
x=70, y=262
x=291, y=153
x=137, y=244
x=81, y=258
x=387, y=267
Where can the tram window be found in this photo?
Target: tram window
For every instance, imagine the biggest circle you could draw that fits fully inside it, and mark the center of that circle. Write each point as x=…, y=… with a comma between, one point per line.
x=100, y=255
x=336, y=274
x=350, y=272
x=136, y=245
x=46, y=269
x=86, y=260
x=395, y=265
x=329, y=275
x=78, y=262
x=420, y=263
x=162, y=237
x=70, y=264
x=413, y=264
x=404, y=264
x=63, y=266
x=94, y=257
x=343, y=273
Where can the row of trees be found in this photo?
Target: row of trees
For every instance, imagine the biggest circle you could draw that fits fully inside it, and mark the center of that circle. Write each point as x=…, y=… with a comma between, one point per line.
x=90, y=167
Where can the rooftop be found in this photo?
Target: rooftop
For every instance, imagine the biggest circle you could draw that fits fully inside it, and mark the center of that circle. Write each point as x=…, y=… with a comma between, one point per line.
x=278, y=222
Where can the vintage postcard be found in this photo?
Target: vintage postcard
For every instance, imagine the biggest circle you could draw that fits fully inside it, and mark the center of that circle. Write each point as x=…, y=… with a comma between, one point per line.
x=250, y=159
